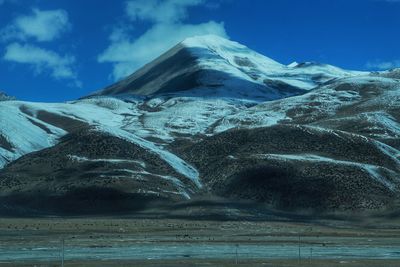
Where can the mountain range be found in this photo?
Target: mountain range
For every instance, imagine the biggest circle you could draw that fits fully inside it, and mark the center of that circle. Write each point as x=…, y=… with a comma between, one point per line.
x=210, y=126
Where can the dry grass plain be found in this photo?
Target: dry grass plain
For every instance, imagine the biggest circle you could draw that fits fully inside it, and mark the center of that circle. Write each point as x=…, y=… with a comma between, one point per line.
x=172, y=242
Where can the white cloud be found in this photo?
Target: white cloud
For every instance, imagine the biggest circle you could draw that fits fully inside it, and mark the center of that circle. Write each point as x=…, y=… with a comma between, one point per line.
x=383, y=65
x=128, y=54
x=39, y=26
x=42, y=25
x=42, y=60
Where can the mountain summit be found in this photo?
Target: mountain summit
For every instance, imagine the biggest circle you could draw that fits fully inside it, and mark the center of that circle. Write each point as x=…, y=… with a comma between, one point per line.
x=213, y=66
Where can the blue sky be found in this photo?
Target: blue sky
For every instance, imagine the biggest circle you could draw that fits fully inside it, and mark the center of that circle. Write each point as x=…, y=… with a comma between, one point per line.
x=58, y=50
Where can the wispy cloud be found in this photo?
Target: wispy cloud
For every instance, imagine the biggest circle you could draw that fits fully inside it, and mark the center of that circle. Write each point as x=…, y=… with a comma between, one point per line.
x=383, y=65
x=168, y=28
x=42, y=25
x=24, y=35
x=42, y=60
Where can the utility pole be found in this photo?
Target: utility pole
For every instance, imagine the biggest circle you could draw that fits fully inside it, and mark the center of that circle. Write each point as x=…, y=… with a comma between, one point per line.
x=237, y=255
x=299, y=249
x=62, y=252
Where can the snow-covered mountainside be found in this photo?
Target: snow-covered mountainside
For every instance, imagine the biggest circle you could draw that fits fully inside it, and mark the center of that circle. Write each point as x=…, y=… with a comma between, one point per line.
x=215, y=67
x=209, y=118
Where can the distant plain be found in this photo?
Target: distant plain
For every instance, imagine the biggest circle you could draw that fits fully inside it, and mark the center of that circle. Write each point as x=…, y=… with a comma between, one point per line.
x=173, y=242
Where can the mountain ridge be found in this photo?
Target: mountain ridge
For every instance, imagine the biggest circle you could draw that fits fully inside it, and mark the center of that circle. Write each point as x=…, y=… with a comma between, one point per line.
x=5, y=97
x=208, y=64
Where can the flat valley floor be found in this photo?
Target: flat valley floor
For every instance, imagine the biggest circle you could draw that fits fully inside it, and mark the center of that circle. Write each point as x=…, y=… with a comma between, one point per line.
x=175, y=242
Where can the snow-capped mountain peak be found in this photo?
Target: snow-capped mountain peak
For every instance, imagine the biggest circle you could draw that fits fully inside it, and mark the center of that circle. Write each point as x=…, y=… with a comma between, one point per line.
x=237, y=54
x=212, y=66
x=205, y=66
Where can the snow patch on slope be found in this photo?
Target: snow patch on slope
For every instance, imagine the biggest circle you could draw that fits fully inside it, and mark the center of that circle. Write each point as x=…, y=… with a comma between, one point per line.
x=20, y=131
x=85, y=159
x=174, y=161
x=372, y=170
x=314, y=105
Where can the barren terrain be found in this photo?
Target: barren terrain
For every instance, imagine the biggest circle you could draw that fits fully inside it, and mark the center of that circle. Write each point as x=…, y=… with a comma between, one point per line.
x=168, y=242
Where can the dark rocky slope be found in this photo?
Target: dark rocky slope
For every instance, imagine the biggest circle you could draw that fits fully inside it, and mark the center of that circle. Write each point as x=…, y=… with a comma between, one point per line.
x=294, y=167
x=90, y=172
